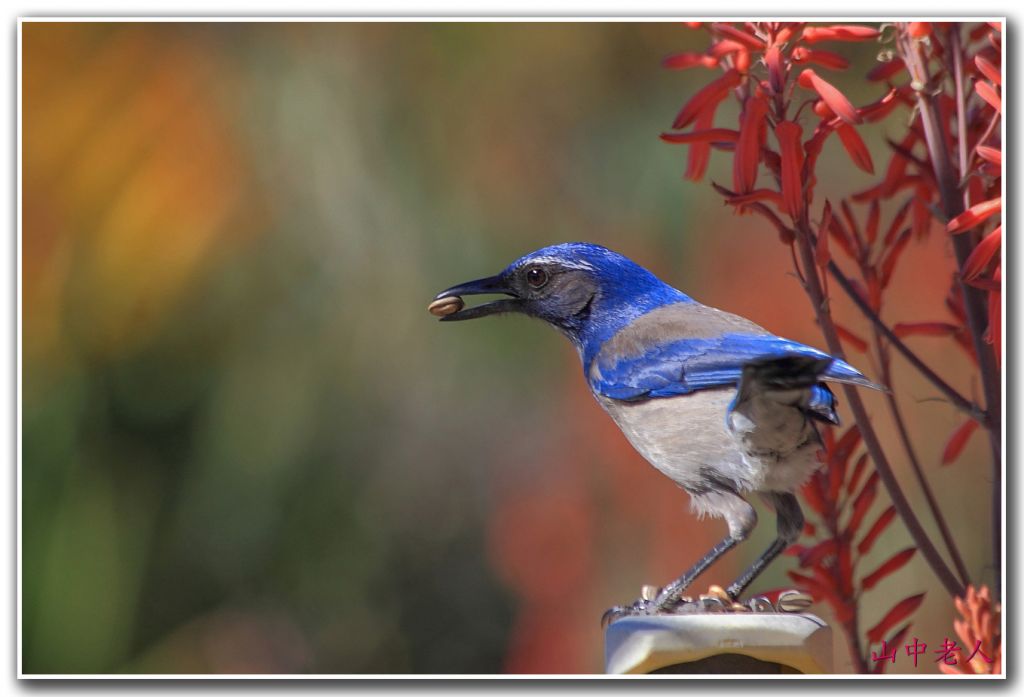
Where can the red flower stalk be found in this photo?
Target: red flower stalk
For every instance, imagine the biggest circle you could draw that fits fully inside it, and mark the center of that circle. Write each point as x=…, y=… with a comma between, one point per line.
x=829, y=565
x=945, y=167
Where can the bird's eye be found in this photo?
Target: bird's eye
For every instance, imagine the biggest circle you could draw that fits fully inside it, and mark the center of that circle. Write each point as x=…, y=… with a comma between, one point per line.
x=536, y=277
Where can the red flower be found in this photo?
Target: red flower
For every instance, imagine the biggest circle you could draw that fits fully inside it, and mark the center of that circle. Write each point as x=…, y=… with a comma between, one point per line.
x=993, y=155
x=877, y=111
x=919, y=30
x=886, y=70
x=726, y=47
x=756, y=195
x=895, y=563
x=897, y=614
x=958, y=441
x=681, y=61
x=748, y=148
x=708, y=135
x=835, y=99
x=826, y=59
x=700, y=152
x=839, y=32
x=707, y=97
x=905, y=329
x=745, y=38
x=975, y=215
x=788, y=135
x=868, y=541
x=989, y=94
x=990, y=71
x=855, y=147
x=822, y=110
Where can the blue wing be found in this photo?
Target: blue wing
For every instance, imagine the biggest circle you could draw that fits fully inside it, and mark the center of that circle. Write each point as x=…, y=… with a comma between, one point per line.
x=687, y=365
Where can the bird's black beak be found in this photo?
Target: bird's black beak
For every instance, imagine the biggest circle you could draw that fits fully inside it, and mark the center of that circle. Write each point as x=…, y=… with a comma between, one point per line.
x=485, y=286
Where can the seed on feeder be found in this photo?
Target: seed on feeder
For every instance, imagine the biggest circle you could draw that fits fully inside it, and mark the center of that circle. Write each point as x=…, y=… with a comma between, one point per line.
x=711, y=603
x=719, y=592
x=446, y=306
x=793, y=601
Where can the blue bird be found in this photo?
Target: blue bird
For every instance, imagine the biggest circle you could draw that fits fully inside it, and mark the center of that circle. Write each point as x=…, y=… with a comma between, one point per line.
x=719, y=405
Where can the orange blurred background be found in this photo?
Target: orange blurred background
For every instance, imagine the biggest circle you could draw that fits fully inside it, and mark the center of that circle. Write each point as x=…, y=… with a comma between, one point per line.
x=247, y=448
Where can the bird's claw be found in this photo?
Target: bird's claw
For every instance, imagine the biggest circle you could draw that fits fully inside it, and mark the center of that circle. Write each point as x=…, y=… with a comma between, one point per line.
x=640, y=607
x=653, y=601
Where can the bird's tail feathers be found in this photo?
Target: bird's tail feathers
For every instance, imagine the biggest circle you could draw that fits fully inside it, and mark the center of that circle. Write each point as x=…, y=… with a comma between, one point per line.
x=842, y=372
x=788, y=372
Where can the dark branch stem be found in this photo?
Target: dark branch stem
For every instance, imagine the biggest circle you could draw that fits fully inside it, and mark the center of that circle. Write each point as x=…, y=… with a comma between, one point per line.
x=850, y=628
x=956, y=69
x=860, y=414
x=908, y=446
x=955, y=397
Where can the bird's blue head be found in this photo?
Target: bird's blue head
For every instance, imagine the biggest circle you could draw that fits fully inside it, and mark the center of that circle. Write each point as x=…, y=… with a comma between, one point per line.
x=585, y=290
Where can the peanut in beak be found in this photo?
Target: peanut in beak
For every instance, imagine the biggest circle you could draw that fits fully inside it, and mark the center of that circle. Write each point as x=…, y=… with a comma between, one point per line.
x=446, y=306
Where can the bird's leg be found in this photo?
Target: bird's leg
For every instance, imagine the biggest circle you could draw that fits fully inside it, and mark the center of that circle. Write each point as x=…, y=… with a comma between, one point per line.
x=790, y=522
x=741, y=518
x=671, y=593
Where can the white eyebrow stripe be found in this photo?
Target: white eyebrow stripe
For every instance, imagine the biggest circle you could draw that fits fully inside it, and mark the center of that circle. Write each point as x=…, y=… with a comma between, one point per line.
x=561, y=261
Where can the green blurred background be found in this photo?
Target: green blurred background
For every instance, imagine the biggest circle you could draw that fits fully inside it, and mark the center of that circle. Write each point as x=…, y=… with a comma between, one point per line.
x=248, y=448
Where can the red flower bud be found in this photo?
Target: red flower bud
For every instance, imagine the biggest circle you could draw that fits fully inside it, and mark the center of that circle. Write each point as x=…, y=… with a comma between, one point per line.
x=835, y=99
x=826, y=59
x=792, y=154
x=919, y=30
x=708, y=96
x=839, y=32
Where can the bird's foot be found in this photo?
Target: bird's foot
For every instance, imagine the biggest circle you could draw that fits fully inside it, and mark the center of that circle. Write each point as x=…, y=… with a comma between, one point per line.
x=640, y=607
x=733, y=592
x=652, y=601
x=669, y=601
x=619, y=611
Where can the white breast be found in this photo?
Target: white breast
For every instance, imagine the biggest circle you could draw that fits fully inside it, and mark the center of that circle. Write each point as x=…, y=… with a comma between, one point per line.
x=686, y=438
